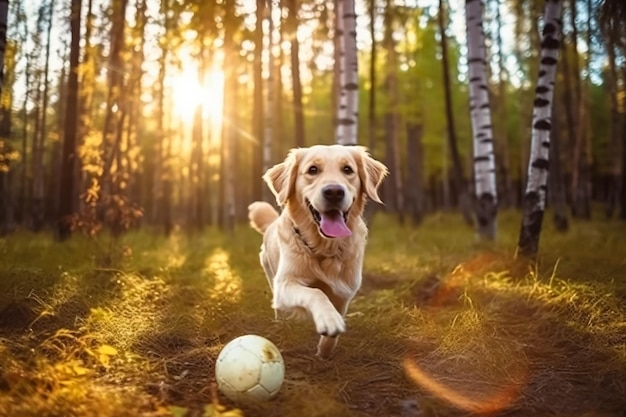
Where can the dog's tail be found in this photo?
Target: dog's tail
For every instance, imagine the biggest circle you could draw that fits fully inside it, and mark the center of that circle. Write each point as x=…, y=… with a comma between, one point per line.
x=261, y=215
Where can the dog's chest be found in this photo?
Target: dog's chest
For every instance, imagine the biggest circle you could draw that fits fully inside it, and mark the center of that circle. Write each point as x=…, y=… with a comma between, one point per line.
x=339, y=274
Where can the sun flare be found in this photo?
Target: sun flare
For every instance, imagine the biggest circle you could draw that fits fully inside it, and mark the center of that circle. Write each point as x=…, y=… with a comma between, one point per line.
x=189, y=92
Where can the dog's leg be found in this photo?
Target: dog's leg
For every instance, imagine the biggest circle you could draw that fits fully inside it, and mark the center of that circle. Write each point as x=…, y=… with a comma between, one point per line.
x=327, y=344
x=290, y=295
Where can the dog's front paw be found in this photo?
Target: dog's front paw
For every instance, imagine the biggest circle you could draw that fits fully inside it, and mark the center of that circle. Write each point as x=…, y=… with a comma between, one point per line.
x=329, y=323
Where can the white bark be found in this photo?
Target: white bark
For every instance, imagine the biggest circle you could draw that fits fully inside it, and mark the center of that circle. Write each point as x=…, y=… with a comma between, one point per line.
x=480, y=111
x=542, y=111
x=484, y=160
x=347, y=117
x=537, y=185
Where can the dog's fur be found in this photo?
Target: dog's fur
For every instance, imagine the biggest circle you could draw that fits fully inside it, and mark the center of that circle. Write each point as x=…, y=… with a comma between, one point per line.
x=307, y=270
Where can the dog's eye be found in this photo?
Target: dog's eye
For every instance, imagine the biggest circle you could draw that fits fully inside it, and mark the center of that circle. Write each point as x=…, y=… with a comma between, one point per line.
x=348, y=170
x=313, y=170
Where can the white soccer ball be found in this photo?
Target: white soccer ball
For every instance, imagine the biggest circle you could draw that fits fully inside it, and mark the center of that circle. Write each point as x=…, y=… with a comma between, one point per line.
x=248, y=368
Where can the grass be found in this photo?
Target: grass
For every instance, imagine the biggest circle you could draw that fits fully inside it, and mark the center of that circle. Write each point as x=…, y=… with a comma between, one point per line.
x=443, y=326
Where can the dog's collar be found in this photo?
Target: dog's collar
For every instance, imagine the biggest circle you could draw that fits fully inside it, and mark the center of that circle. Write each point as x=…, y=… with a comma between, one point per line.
x=297, y=232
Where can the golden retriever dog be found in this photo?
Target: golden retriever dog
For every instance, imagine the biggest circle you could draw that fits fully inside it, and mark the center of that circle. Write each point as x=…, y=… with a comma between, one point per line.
x=312, y=252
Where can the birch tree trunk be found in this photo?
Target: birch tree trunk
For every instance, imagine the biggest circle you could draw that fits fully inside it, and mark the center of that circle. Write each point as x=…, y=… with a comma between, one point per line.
x=68, y=161
x=537, y=184
x=348, y=109
x=480, y=111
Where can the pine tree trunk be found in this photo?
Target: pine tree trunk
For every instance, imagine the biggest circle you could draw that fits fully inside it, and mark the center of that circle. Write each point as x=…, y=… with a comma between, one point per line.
x=56, y=155
x=371, y=114
x=556, y=181
x=87, y=85
x=502, y=141
x=23, y=195
x=613, y=150
x=112, y=120
x=66, y=191
x=347, y=113
x=163, y=171
x=580, y=201
x=393, y=186
x=480, y=111
x=268, y=134
x=536, y=187
x=298, y=115
x=415, y=171
x=6, y=173
x=228, y=135
x=258, y=106
x=4, y=15
x=196, y=177
x=37, y=191
x=623, y=188
x=457, y=169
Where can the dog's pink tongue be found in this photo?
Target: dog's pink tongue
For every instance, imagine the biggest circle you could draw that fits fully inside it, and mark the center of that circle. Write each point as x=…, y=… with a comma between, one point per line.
x=333, y=225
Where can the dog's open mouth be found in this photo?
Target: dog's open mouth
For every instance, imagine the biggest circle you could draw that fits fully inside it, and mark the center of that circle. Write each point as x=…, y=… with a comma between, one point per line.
x=332, y=223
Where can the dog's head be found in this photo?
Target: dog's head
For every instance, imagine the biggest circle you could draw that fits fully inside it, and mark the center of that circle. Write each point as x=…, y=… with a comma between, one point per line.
x=331, y=183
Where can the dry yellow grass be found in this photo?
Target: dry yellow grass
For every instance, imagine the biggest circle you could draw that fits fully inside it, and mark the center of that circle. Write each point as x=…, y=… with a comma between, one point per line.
x=442, y=327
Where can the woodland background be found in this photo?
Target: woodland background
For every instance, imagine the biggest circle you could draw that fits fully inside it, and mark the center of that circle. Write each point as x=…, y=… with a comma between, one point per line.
x=175, y=99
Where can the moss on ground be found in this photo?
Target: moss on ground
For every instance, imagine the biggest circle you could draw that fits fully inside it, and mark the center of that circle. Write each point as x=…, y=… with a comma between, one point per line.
x=443, y=326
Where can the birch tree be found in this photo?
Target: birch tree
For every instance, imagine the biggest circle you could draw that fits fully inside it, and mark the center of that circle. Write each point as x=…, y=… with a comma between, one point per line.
x=348, y=109
x=537, y=184
x=480, y=111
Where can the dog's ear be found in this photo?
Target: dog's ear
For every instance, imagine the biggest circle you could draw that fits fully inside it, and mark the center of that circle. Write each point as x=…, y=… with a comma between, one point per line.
x=371, y=173
x=281, y=178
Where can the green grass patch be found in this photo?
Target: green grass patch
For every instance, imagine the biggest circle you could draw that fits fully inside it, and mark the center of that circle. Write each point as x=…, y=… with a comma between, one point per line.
x=443, y=326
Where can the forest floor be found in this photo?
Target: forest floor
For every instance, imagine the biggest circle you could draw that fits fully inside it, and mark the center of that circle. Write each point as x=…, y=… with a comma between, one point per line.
x=443, y=326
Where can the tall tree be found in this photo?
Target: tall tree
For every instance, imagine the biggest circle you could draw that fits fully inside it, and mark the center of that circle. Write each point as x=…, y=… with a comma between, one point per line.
x=348, y=110
x=4, y=14
x=556, y=182
x=457, y=169
x=580, y=168
x=296, y=84
x=268, y=133
x=536, y=187
x=393, y=186
x=613, y=150
x=480, y=110
x=371, y=105
x=41, y=109
x=229, y=157
x=111, y=138
x=256, y=170
x=502, y=141
x=66, y=191
x=6, y=209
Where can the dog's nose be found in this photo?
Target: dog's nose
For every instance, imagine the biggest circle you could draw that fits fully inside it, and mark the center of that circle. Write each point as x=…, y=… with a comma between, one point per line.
x=333, y=193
